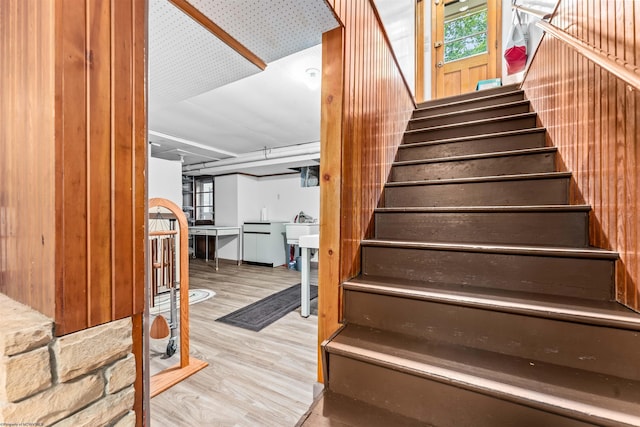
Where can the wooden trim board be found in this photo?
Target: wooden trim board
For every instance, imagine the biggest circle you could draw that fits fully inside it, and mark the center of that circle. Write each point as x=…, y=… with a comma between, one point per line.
x=214, y=29
x=166, y=379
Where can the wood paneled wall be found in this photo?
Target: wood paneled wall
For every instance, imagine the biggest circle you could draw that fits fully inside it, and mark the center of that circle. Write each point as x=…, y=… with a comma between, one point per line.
x=366, y=105
x=27, y=232
x=592, y=117
x=74, y=178
x=101, y=154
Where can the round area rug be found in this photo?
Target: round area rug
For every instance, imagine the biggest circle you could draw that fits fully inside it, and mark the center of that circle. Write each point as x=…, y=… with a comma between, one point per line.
x=162, y=303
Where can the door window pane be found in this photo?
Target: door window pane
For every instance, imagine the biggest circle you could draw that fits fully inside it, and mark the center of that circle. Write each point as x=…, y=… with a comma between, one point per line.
x=465, y=30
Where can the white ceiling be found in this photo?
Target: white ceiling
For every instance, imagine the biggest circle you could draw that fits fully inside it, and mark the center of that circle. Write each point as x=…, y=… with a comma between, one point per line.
x=398, y=18
x=208, y=103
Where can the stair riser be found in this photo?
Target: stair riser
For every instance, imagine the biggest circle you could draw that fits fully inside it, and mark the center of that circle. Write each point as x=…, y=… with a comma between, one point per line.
x=513, y=97
x=432, y=402
x=476, y=146
x=430, y=134
x=494, y=166
x=466, y=96
x=552, y=191
x=574, y=277
x=525, y=228
x=497, y=111
x=558, y=342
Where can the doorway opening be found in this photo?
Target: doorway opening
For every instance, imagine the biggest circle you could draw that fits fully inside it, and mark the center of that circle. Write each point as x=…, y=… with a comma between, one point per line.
x=466, y=38
x=228, y=141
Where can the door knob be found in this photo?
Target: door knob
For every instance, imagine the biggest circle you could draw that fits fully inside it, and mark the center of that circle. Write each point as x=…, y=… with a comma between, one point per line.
x=437, y=44
x=440, y=64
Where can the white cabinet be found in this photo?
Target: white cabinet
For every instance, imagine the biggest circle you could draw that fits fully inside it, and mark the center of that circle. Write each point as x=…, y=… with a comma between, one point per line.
x=264, y=243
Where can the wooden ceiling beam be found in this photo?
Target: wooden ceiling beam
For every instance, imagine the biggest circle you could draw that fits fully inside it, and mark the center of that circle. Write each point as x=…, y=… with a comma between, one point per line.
x=217, y=31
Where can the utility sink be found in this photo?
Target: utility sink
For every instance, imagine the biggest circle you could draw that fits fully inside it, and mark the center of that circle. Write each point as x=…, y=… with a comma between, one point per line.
x=294, y=230
x=310, y=241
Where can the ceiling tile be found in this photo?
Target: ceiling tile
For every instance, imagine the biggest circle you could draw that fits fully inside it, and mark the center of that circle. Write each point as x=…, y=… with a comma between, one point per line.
x=185, y=59
x=271, y=29
x=203, y=93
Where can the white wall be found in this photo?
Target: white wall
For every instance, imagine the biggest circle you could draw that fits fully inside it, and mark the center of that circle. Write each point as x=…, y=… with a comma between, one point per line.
x=507, y=17
x=226, y=212
x=165, y=180
x=282, y=195
x=534, y=33
x=226, y=200
x=427, y=51
x=398, y=17
x=240, y=198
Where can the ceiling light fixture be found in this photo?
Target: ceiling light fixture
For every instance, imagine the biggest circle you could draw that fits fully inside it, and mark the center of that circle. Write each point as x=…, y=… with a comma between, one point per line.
x=312, y=78
x=464, y=8
x=181, y=159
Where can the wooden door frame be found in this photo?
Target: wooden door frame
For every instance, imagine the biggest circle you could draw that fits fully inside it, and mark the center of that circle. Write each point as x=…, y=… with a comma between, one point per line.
x=419, y=48
x=498, y=41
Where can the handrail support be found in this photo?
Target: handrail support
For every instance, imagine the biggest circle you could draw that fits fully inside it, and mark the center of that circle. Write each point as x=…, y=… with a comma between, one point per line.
x=622, y=71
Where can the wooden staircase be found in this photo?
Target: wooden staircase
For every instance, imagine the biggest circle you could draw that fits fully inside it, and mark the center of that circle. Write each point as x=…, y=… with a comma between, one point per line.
x=480, y=302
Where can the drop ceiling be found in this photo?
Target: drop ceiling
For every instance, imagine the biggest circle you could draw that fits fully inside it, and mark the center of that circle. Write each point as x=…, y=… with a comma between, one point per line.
x=208, y=103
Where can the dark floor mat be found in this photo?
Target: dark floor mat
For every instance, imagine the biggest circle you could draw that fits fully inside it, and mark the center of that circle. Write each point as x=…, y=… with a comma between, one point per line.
x=262, y=313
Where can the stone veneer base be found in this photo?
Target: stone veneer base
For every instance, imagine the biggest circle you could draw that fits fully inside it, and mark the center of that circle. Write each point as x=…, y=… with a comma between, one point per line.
x=81, y=379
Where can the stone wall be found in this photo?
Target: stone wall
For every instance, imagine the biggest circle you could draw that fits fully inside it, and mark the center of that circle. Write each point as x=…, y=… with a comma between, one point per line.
x=81, y=379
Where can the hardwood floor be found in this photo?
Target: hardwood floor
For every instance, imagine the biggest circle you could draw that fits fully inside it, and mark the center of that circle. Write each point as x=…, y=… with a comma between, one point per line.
x=254, y=378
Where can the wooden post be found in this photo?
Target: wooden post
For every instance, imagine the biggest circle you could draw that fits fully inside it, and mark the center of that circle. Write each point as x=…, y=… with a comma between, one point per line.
x=331, y=183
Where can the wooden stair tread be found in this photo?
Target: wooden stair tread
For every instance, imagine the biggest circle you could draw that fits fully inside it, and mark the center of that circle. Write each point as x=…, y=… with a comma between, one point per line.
x=471, y=138
x=487, y=209
x=471, y=95
x=494, y=96
x=336, y=410
x=471, y=111
x=526, y=327
x=523, y=152
x=566, y=391
x=591, y=253
x=593, y=312
x=518, y=177
x=472, y=123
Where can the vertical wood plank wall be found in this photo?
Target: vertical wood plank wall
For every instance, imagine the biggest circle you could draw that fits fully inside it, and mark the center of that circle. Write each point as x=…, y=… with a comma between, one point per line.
x=73, y=188
x=593, y=118
x=376, y=106
x=27, y=230
x=100, y=161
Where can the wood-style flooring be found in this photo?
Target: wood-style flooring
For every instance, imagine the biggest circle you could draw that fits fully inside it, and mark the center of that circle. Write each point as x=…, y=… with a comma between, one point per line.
x=253, y=379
